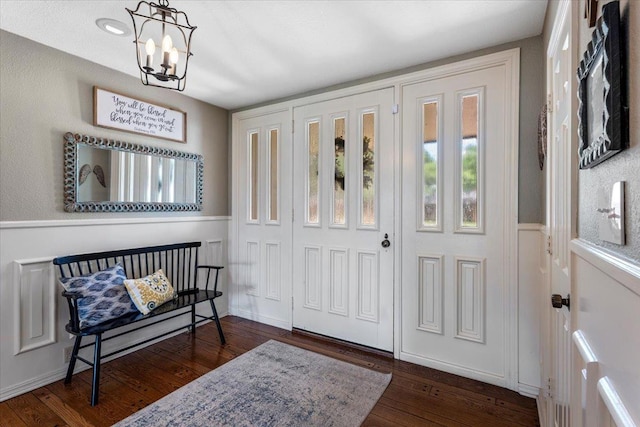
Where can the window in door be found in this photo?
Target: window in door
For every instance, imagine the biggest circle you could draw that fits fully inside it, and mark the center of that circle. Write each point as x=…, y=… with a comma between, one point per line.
x=313, y=173
x=368, y=202
x=429, y=164
x=253, y=176
x=470, y=147
x=339, y=199
x=272, y=184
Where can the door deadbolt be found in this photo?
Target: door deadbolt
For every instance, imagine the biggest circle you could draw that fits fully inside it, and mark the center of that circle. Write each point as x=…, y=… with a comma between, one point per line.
x=557, y=301
x=385, y=243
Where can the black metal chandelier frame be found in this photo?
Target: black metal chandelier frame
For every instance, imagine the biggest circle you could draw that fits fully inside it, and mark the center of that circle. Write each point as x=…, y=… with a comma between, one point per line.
x=161, y=14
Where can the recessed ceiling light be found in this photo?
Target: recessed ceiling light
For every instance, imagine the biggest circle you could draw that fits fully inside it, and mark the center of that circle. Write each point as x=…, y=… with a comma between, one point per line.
x=114, y=27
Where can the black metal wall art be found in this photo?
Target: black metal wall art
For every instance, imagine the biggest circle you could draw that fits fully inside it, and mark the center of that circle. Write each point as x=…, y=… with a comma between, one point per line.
x=601, y=127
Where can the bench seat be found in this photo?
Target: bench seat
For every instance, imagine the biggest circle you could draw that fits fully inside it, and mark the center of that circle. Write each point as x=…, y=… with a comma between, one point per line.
x=183, y=301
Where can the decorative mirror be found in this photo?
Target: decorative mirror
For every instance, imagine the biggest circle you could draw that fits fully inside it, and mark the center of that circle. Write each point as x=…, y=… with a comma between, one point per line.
x=602, y=128
x=104, y=175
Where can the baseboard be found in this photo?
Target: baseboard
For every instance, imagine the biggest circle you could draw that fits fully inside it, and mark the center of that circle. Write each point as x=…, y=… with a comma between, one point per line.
x=485, y=377
x=272, y=321
x=34, y=383
x=528, y=390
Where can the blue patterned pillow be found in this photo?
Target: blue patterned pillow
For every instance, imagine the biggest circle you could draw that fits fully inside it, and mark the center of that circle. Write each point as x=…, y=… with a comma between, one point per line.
x=104, y=296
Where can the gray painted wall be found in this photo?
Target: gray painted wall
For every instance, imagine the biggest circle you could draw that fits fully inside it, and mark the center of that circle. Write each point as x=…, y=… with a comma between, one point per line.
x=626, y=165
x=532, y=81
x=46, y=93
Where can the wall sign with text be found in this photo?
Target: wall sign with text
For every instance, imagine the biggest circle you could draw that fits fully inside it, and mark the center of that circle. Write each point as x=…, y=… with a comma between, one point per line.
x=116, y=111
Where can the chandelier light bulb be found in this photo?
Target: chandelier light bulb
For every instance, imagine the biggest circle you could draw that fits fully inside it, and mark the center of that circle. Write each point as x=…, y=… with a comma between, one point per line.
x=173, y=57
x=167, y=43
x=150, y=47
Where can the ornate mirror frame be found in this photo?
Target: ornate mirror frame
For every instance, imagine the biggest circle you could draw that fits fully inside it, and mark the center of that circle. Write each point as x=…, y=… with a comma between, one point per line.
x=602, y=118
x=71, y=203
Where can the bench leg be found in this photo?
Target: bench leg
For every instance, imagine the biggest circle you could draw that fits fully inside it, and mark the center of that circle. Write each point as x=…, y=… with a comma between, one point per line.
x=217, y=319
x=95, y=384
x=72, y=361
x=193, y=319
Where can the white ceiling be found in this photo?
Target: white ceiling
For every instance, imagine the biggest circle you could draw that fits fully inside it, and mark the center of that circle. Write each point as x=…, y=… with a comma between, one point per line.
x=247, y=52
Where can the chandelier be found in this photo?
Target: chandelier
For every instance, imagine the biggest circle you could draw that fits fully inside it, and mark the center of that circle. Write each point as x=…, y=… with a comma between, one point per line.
x=163, y=44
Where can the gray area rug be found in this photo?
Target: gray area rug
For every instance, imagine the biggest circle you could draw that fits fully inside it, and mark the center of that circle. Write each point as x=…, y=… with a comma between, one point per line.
x=274, y=384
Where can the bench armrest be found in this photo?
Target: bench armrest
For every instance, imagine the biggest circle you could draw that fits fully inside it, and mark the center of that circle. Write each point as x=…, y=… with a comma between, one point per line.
x=72, y=302
x=217, y=268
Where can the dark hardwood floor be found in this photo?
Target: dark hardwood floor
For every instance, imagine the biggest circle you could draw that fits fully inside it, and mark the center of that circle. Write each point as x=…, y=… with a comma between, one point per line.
x=417, y=396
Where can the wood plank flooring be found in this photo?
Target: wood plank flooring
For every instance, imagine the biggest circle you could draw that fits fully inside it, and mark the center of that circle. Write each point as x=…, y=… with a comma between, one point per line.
x=417, y=396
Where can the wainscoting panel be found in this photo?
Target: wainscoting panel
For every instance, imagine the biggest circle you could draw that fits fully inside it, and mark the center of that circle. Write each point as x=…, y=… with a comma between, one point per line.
x=35, y=304
x=470, y=288
x=313, y=271
x=605, y=303
x=368, y=286
x=215, y=252
x=430, y=275
x=339, y=281
x=531, y=304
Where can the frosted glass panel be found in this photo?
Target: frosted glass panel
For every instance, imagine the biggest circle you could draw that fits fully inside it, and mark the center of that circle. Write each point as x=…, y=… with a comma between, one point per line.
x=469, y=161
x=313, y=189
x=253, y=176
x=339, y=200
x=368, y=169
x=273, y=174
x=430, y=164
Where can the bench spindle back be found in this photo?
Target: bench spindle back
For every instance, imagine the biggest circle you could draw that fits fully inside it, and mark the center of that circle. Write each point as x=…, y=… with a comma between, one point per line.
x=178, y=262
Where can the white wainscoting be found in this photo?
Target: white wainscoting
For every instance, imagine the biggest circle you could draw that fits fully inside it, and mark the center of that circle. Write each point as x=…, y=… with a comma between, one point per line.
x=32, y=335
x=530, y=276
x=606, y=308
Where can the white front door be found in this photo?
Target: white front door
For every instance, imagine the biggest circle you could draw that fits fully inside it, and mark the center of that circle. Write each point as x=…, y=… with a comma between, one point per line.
x=457, y=222
x=261, y=264
x=343, y=201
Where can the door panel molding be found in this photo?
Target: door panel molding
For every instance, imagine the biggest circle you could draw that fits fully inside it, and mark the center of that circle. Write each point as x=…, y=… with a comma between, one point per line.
x=471, y=296
x=431, y=293
x=339, y=281
x=368, y=286
x=313, y=277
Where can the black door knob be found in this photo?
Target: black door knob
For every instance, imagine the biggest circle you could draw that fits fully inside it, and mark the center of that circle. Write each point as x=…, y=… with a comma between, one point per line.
x=385, y=243
x=557, y=301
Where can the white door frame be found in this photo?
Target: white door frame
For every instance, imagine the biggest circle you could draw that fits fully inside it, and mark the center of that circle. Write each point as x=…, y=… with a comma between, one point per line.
x=511, y=59
x=567, y=15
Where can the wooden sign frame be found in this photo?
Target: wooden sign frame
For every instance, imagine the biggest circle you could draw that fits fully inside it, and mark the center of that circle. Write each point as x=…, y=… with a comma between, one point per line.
x=114, y=110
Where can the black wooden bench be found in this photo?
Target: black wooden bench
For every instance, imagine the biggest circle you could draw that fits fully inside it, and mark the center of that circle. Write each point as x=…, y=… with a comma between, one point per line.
x=179, y=262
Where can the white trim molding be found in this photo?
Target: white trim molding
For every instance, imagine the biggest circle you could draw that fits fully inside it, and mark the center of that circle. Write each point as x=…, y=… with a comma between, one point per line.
x=625, y=272
x=7, y=225
x=615, y=407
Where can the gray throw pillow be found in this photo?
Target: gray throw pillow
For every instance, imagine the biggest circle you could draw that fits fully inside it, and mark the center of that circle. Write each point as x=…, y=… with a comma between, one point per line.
x=104, y=296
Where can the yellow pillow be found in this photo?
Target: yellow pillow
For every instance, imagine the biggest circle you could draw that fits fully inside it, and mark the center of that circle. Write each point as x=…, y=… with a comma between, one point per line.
x=150, y=292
